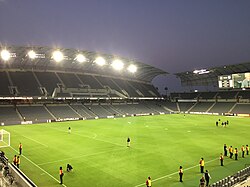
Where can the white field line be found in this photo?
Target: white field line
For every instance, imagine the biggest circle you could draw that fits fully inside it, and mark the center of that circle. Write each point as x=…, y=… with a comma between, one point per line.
x=165, y=176
x=35, y=141
x=86, y=155
x=39, y=167
x=31, y=139
x=93, y=138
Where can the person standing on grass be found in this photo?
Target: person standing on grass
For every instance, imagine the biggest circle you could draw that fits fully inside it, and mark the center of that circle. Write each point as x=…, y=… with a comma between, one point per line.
x=18, y=161
x=225, y=150
x=221, y=159
x=128, y=142
x=236, y=153
x=207, y=177
x=181, y=173
x=243, y=151
x=20, y=148
x=231, y=151
x=69, y=130
x=15, y=160
x=61, y=175
x=149, y=182
x=247, y=149
x=202, y=164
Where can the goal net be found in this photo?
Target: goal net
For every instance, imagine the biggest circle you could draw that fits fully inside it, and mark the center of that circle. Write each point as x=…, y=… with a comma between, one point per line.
x=4, y=138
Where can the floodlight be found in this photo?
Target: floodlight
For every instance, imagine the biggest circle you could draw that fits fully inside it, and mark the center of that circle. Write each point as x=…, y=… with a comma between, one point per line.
x=5, y=55
x=117, y=64
x=57, y=56
x=80, y=58
x=132, y=68
x=32, y=54
x=100, y=61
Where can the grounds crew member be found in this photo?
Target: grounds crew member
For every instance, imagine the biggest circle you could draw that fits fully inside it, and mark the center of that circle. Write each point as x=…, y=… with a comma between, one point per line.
x=243, y=151
x=231, y=151
x=221, y=159
x=202, y=164
x=181, y=173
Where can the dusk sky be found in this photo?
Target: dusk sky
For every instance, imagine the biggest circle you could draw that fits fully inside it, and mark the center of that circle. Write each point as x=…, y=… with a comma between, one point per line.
x=174, y=35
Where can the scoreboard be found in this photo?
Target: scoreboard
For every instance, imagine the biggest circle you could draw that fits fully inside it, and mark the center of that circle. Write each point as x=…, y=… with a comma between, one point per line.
x=225, y=81
x=237, y=80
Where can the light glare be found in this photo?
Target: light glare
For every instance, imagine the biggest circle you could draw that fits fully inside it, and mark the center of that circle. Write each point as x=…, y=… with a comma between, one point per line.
x=117, y=64
x=5, y=55
x=57, y=56
x=32, y=54
x=132, y=68
x=100, y=61
x=80, y=58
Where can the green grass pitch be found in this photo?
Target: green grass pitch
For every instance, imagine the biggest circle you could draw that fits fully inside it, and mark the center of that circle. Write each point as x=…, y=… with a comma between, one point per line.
x=159, y=145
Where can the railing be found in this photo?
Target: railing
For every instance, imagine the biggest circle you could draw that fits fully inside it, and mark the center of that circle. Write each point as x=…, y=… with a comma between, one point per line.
x=234, y=179
x=11, y=175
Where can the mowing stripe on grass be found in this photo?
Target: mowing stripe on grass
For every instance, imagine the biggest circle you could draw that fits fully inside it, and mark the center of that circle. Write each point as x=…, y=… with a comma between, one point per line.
x=165, y=176
x=31, y=139
x=86, y=155
x=92, y=138
x=39, y=167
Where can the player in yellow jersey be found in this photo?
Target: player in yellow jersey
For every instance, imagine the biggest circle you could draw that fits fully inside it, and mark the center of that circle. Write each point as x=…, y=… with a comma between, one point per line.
x=243, y=151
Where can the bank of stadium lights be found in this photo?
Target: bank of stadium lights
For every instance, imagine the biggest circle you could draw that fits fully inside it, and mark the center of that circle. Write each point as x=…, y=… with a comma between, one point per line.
x=80, y=58
x=32, y=54
x=132, y=68
x=57, y=56
x=117, y=64
x=201, y=71
x=100, y=61
x=5, y=55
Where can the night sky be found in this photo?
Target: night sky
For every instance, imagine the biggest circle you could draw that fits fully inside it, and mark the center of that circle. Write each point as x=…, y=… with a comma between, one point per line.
x=176, y=35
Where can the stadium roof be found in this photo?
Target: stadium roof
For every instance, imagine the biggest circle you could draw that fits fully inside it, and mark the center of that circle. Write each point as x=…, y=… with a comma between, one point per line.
x=44, y=61
x=209, y=77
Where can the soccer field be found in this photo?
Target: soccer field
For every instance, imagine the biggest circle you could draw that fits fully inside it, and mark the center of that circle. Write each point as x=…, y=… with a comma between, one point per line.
x=159, y=145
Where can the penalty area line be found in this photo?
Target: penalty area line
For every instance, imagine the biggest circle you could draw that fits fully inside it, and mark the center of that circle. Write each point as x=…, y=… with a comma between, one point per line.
x=165, y=176
x=39, y=167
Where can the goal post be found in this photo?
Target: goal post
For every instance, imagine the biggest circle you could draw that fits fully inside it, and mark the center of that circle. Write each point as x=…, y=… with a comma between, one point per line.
x=4, y=138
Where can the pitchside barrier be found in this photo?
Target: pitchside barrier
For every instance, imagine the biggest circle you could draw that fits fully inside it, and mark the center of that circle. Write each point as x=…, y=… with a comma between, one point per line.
x=10, y=175
x=237, y=178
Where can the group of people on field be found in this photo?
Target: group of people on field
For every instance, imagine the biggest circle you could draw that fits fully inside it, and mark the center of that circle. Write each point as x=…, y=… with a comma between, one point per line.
x=17, y=159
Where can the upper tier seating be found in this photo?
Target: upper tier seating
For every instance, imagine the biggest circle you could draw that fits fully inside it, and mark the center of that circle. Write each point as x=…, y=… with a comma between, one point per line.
x=244, y=95
x=227, y=94
x=4, y=84
x=26, y=83
x=124, y=85
x=48, y=80
x=207, y=95
x=70, y=80
x=90, y=81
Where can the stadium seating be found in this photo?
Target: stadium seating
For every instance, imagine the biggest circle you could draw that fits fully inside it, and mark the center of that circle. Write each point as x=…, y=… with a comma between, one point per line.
x=9, y=114
x=62, y=111
x=241, y=108
x=222, y=107
x=4, y=84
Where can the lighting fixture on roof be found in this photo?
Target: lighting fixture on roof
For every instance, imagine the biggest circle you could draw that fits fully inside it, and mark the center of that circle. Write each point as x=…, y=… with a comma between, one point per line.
x=100, y=61
x=32, y=54
x=117, y=64
x=132, y=68
x=201, y=71
x=80, y=58
x=57, y=56
x=5, y=55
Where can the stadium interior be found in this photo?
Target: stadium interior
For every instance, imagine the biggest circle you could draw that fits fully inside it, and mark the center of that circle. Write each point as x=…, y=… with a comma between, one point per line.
x=37, y=85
